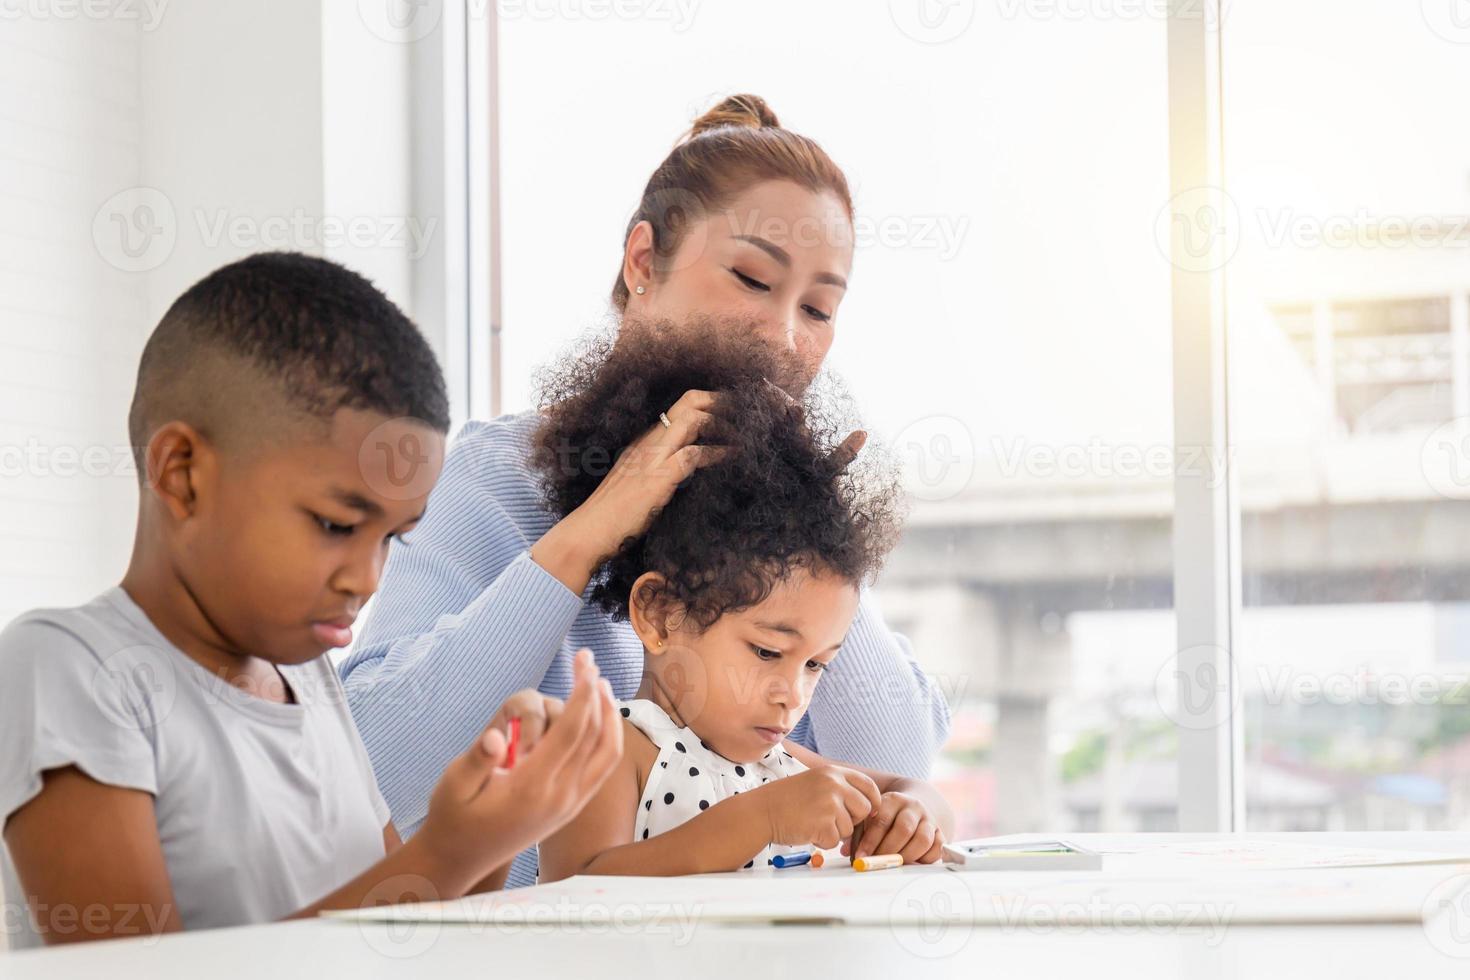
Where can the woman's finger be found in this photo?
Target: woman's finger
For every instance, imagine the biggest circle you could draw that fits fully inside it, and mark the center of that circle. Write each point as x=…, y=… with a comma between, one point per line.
x=692, y=458
x=847, y=451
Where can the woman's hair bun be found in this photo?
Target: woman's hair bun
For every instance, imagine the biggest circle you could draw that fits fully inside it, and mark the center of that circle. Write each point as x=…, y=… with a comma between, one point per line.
x=749, y=111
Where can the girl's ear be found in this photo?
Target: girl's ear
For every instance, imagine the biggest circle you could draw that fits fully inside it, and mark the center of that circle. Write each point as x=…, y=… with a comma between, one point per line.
x=648, y=614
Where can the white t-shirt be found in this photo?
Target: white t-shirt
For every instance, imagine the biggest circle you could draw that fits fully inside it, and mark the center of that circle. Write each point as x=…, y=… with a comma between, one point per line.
x=262, y=808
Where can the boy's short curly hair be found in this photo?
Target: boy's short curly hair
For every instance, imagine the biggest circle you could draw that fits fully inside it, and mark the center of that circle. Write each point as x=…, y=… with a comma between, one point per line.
x=779, y=501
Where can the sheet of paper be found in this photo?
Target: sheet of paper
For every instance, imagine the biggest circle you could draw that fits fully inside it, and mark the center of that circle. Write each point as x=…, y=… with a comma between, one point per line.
x=932, y=896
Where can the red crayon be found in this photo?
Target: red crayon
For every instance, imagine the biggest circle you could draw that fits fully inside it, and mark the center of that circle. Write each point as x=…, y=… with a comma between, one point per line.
x=514, y=725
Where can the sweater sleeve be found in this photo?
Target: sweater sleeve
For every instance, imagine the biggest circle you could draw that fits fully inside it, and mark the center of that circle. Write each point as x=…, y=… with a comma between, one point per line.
x=463, y=619
x=875, y=705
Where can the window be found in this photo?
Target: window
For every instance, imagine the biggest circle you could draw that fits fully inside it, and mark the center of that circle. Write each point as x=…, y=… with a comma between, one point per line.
x=1007, y=335
x=1348, y=299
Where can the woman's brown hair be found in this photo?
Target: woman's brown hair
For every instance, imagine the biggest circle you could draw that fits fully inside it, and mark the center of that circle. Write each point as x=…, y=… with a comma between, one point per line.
x=733, y=146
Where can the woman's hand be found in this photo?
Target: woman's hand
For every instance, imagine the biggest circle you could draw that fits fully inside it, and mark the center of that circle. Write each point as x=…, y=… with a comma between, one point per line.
x=642, y=480
x=481, y=815
x=900, y=824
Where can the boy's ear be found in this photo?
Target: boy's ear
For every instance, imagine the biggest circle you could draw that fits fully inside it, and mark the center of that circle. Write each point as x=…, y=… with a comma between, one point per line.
x=648, y=613
x=175, y=458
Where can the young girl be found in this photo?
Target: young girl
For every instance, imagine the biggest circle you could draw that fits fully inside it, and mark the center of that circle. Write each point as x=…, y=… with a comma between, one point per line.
x=742, y=592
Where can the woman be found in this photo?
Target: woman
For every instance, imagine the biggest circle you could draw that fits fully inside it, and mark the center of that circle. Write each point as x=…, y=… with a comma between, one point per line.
x=745, y=226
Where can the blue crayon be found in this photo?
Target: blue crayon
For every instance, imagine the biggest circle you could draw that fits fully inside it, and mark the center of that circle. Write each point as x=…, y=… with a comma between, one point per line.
x=791, y=860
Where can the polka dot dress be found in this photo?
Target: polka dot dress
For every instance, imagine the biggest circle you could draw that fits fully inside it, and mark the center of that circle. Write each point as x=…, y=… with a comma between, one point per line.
x=688, y=776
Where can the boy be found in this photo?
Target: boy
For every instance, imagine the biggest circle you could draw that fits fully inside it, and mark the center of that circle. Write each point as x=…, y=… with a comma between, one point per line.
x=178, y=753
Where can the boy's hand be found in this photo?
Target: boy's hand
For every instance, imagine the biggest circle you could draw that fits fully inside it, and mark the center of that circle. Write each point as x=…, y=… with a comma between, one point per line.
x=481, y=815
x=819, y=806
x=901, y=825
x=536, y=711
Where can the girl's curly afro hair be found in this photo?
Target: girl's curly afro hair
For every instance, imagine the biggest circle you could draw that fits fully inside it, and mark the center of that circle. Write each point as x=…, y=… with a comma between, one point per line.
x=780, y=499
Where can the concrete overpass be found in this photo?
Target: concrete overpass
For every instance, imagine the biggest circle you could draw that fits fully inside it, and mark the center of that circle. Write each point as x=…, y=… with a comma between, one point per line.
x=983, y=582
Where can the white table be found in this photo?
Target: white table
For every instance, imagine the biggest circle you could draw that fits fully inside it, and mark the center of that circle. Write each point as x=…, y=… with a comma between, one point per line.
x=323, y=948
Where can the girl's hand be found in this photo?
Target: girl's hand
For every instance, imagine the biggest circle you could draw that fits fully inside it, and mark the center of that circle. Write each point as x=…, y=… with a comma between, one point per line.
x=641, y=482
x=900, y=825
x=819, y=806
x=481, y=815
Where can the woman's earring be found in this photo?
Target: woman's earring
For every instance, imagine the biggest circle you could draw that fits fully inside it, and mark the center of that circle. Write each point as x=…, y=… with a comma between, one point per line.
x=640, y=290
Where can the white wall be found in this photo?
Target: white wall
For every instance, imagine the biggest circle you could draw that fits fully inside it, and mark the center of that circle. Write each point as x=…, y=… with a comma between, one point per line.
x=71, y=323
x=139, y=151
